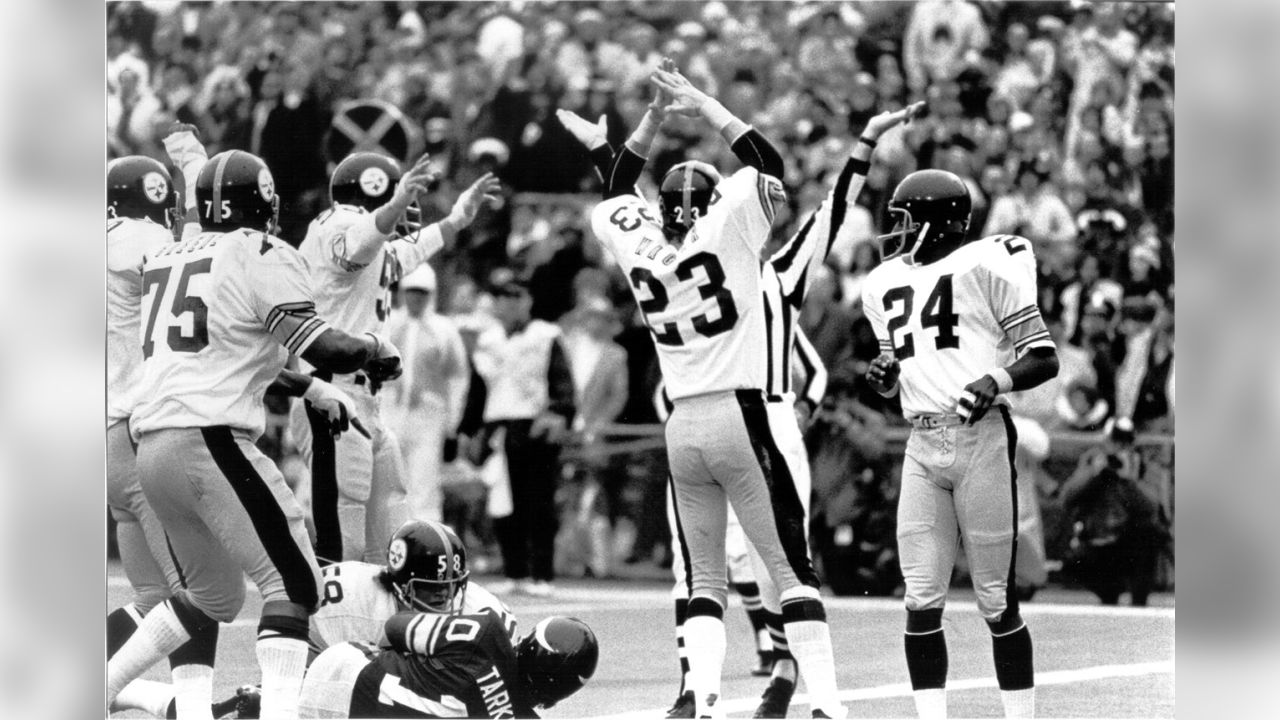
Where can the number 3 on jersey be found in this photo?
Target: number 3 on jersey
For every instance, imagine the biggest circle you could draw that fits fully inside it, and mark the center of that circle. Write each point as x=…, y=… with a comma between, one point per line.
x=713, y=288
x=937, y=312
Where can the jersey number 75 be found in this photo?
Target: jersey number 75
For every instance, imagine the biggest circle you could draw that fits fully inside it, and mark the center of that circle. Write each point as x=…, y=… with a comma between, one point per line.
x=181, y=304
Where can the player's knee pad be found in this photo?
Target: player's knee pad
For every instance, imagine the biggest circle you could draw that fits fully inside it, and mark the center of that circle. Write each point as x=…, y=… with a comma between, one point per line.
x=920, y=622
x=1008, y=621
x=701, y=605
x=195, y=619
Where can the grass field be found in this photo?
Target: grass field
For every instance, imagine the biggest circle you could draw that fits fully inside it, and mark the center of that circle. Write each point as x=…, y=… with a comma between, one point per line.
x=1091, y=662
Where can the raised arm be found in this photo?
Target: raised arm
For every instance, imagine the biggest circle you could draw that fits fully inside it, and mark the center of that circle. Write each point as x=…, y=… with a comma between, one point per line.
x=416, y=249
x=746, y=142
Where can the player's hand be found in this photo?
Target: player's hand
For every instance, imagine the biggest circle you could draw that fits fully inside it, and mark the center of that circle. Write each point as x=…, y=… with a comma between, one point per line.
x=804, y=414
x=976, y=399
x=484, y=189
x=878, y=124
x=548, y=426
x=592, y=136
x=883, y=373
x=180, y=127
x=685, y=99
x=421, y=179
x=385, y=364
x=335, y=405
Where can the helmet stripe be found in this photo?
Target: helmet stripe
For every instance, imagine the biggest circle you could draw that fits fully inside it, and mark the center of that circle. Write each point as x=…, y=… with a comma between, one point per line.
x=217, y=188
x=448, y=547
x=540, y=634
x=686, y=194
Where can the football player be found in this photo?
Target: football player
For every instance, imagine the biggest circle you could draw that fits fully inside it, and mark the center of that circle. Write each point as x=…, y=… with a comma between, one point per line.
x=452, y=666
x=958, y=328
x=356, y=250
x=705, y=247
x=221, y=312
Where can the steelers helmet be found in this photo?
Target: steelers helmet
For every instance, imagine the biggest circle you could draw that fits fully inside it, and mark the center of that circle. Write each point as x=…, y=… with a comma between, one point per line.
x=931, y=208
x=139, y=187
x=427, y=567
x=236, y=190
x=368, y=180
x=685, y=194
x=556, y=659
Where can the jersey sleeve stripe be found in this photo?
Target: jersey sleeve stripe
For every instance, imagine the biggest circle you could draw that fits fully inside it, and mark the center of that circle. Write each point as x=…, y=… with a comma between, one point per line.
x=766, y=203
x=304, y=340
x=298, y=309
x=1020, y=316
x=435, y=634
x=412, y=635
x=1032, y=339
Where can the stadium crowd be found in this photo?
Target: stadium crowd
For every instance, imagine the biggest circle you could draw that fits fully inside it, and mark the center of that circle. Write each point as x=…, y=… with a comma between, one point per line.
x=1058, y=115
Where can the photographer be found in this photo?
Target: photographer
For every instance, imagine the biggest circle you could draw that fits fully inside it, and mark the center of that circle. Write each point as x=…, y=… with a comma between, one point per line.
x=1117, y=535
x=853, y=505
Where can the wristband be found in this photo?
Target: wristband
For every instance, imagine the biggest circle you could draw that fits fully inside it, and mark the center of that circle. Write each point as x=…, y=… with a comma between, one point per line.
x=865, y=141
x=1004, y=382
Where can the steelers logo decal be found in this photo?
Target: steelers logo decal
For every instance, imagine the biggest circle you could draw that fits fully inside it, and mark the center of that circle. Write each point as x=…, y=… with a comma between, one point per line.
x=155, y=187
x=266, y=184
x=396, y=554
x=374, y=181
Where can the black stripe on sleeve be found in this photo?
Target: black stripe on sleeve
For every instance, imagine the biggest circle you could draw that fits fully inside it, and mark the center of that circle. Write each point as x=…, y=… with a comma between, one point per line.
x=768, y=341
x=269, y=520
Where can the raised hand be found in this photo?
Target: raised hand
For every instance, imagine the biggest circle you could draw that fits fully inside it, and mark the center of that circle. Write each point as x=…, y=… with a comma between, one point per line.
x=592, y=136
x=878, y=124
x=421, y=179
x=485, y=188
x=685, y=99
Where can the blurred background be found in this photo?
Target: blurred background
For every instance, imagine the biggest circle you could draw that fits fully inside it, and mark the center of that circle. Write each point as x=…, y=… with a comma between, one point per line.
x=1059, y=116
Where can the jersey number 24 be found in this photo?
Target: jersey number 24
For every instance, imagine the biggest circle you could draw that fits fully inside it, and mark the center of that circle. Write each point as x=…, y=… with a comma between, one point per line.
x=937, y=312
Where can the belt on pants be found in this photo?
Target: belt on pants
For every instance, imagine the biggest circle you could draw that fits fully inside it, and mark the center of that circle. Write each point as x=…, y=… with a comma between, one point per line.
x=926, y=422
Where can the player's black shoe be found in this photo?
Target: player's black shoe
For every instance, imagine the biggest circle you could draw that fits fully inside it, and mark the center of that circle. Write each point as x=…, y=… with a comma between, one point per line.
x=248, y=701
x=684, y=707
x=820, y=714
x=776, y=699
x=764, y=664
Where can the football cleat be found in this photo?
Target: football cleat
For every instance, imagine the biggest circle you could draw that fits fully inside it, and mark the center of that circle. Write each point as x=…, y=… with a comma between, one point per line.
x=684, y=707
x=776, y=700
x=427, y=567
x=139, y=187
x=236, y=190
x=932, y=210
x=687, y=190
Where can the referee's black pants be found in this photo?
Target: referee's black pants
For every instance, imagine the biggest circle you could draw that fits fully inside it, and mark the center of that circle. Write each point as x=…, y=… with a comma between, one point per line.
x=527, y=536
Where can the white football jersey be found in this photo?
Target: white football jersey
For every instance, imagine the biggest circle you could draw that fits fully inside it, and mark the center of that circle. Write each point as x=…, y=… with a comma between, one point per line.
x=220, y=314
x=356, y=296
x=355, y=606
x=954, y=320
x=128, y=240
x=701, y=300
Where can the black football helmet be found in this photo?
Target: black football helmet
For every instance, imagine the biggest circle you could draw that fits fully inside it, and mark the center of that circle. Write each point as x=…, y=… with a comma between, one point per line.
x=368, y=180
x=557, y=659
x=932, y=209
x=139, y=187
x=236, y=190
x=684, y=196
x=427, y=567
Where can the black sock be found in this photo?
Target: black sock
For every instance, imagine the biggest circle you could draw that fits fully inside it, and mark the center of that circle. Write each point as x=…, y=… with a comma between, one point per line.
x=756, y=613
x=201, y=649
x=682, y=612
x=926, y=648
x=1014, y=666
x=120, y=627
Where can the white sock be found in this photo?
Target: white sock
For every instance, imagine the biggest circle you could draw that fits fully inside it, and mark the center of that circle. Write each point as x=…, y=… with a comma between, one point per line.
x=194, y=684
x=1019, y=703
x=159, y=634
x=786, y=669
x=704, y=642
x=810, y=643
x=283, y=661
x=149, y=696
x=931, y=704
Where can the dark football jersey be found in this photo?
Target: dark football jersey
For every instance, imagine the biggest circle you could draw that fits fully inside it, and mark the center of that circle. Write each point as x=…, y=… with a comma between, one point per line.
x=443, y=666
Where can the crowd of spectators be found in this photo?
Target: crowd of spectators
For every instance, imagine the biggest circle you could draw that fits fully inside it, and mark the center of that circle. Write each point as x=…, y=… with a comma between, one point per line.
x=1058, y=115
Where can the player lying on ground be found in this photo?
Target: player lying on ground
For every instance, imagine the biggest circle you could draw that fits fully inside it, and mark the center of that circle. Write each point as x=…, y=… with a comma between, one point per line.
x=452, y=666
x=426, y=570
x=958, y=327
